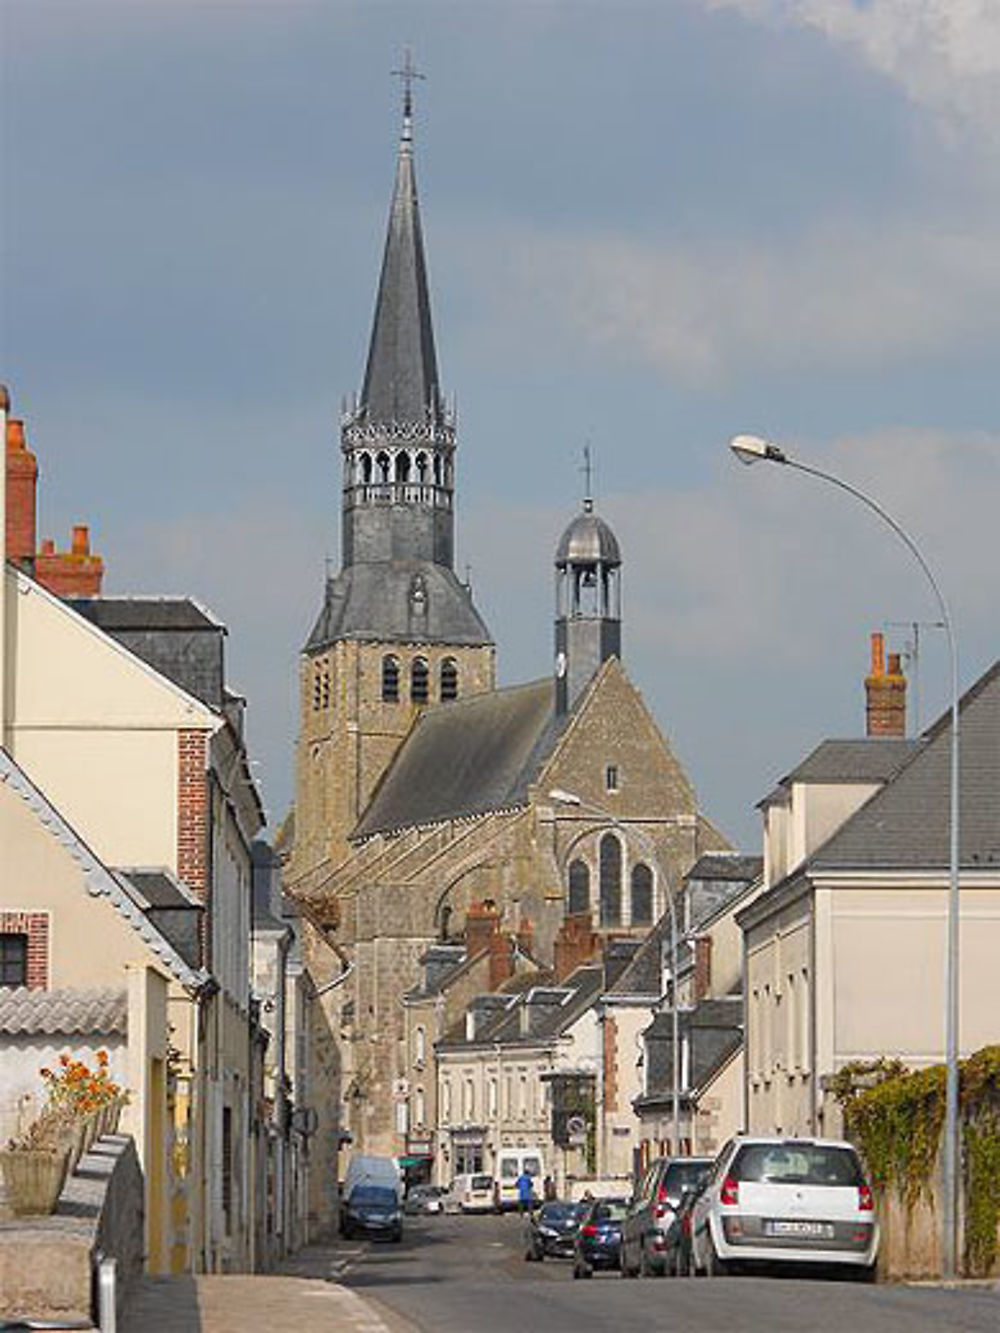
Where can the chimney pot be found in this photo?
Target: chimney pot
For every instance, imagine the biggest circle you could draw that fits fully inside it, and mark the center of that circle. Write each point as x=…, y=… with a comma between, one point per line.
x=81, y=539
x=15, y=433
x=878, y=655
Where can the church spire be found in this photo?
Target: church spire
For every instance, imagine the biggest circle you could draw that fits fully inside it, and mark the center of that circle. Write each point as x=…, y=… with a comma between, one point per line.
x=401, y=378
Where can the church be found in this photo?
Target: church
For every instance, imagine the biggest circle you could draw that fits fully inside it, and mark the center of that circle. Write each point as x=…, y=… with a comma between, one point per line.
x=424, y=791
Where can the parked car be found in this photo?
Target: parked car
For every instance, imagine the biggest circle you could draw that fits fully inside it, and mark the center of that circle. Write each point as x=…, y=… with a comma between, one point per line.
x=649, y=1230
x=794, y=1201
x=372, y=1210
x=424, y=1199
x=510, y=1163
x=469, y=1194
x=597, y=1243
x=677, y=1256
x=551, y=1230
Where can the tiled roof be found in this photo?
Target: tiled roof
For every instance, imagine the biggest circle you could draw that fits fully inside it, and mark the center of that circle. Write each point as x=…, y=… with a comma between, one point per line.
x=62, y=1012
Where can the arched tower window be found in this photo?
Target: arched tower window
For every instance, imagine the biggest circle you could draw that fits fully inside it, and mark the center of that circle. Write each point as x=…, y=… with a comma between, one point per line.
x=422, y=468
x=449, y=680
x=419, y=681
x=611, y=881
x=579, y=887
x=403, y=467
x=437, y=469
x=390, y=679
x=366, y=469
x=384, y=465
x=642, y=895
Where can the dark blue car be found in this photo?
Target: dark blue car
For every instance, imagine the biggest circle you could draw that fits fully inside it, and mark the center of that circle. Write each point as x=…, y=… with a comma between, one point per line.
x=599, y=1237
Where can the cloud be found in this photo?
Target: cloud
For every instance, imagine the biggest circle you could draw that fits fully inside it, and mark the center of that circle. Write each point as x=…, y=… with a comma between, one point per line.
x=843, y=295
x=945, y=54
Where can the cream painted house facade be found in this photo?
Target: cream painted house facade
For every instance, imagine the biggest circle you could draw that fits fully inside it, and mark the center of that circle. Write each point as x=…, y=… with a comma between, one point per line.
x=156, y=782
x=845, y=949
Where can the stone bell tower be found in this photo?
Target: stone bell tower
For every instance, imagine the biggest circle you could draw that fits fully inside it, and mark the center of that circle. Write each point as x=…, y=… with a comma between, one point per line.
x=396, y=629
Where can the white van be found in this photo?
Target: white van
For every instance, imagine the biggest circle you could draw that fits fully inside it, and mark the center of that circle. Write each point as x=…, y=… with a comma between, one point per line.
x=470, y=1194
x=509, y=1165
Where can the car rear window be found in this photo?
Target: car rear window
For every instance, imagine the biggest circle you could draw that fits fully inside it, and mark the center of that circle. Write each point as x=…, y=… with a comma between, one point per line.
x=481, y=1183
x=509, y=1170
x=612, y=1211
x=557, y=1212
x=533, y=1166
x=685, y=1175
x=796, y=1164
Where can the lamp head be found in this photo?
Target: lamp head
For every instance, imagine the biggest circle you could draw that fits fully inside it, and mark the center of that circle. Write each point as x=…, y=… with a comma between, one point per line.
x=752, y=449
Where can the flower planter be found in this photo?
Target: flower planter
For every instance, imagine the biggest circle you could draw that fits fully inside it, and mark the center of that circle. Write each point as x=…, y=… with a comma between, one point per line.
x=34, y=1178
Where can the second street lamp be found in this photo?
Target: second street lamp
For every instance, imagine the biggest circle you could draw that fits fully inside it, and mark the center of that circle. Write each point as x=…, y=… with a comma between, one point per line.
x=570, y=798
x=753, y=449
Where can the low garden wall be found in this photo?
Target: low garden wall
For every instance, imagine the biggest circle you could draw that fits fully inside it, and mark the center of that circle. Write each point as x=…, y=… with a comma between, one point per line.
x=47, y=1264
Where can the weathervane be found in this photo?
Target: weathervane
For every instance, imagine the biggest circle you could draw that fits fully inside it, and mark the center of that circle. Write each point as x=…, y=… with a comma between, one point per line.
x=408, y=73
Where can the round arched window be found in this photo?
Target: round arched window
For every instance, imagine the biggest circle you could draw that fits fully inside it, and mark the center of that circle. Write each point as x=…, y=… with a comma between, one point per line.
x=611, y=881
x=642, y=895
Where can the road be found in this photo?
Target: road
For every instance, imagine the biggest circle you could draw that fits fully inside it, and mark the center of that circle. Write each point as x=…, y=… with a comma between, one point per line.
x=459, y=1274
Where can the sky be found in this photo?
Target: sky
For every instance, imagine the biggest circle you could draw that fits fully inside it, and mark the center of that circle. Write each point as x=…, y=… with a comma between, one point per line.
x=649, y=226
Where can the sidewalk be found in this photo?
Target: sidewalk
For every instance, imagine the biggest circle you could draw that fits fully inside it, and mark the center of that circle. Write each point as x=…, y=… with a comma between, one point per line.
x=301, y=1295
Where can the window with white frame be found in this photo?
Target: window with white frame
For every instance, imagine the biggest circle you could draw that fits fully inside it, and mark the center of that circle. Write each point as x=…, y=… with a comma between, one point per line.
x=420, y=1046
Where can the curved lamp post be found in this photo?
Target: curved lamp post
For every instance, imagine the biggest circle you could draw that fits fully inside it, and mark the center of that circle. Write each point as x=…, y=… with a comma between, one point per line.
x=570, y=798
x=752, y=449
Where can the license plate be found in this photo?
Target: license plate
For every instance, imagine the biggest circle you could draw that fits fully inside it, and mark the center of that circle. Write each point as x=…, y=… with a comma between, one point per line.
x=822, y=1230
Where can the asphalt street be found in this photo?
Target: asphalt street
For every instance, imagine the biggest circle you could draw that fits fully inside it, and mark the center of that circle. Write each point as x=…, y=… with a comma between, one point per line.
x=459, y=1274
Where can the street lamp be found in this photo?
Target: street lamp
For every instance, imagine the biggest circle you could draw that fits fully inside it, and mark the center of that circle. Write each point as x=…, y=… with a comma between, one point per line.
x=570, y=798
x=752, y=449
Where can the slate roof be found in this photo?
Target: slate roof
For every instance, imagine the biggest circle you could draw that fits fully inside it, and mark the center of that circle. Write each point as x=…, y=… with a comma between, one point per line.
x=176, y=636
x=401, y=378
x=466, y=758
x=905, y=824
x=371, y=600
x=865, y=759
x=726, y=866
x=556, y=1007
x=63, y=1012
x=715, y=1031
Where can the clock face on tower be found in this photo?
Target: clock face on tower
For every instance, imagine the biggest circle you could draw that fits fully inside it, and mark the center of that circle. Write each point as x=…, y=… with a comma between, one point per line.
x=560, y=665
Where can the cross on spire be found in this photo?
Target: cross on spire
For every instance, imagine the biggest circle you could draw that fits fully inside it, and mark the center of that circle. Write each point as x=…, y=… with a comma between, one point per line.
x=588, y=477
x=407, y=74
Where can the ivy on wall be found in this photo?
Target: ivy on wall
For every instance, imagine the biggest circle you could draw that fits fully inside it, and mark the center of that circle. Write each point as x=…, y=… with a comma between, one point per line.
x=896, y=1117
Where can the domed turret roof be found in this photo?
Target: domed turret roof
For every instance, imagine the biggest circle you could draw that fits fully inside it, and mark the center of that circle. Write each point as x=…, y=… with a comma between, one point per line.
x=587, y=540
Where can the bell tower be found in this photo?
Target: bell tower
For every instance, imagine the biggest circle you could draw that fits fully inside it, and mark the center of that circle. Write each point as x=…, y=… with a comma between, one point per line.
x=588, y=601
x=396, y=629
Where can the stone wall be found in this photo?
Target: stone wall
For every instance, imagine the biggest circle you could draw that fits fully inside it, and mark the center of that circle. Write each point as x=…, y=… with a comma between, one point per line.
x=47, y=1263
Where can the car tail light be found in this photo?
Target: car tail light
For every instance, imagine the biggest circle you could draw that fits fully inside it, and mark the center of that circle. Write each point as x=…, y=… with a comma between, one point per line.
x=865, y=1200
x=588, y=1230
x=730, y=1192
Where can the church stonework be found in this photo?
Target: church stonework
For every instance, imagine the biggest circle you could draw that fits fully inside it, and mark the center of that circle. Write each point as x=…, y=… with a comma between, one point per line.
x=425, y=795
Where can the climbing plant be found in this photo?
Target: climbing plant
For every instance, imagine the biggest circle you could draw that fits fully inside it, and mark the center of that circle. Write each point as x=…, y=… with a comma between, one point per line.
x=896, y=1116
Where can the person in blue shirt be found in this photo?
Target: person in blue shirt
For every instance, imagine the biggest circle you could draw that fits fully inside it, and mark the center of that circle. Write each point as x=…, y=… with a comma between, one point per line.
x=525, y=1191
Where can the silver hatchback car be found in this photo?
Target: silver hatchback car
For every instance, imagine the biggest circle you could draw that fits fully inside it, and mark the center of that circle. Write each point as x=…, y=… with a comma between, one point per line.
x=794, y=1201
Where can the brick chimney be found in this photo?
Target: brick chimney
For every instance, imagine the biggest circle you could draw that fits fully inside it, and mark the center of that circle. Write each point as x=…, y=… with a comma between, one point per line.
x=73, y=573
x=885, y=694
x=702, y=967
x=482, y=922
x=22, y=487
x=501, y=960
x=576, y=943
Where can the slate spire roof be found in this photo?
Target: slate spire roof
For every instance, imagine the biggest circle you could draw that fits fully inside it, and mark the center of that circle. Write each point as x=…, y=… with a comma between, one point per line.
x=401, y=378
